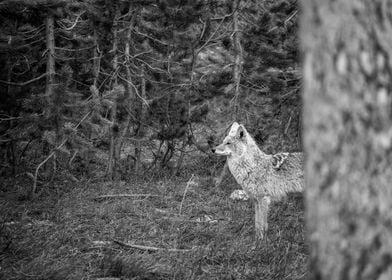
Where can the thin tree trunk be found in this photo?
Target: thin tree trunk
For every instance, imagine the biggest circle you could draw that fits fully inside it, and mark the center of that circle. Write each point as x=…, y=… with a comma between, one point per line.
x=138, y=147
x=237, y=69
x=115, y=44
x=129, y=91
x=348, y=137
x=97, y=58
x=12, y=157
x=180, y=159
x=112, y=164
x=50, y=61
x=131, y=94
x=50, y=79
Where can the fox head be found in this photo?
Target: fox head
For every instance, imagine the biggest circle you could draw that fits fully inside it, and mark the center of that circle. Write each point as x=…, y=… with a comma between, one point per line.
x=235, y=143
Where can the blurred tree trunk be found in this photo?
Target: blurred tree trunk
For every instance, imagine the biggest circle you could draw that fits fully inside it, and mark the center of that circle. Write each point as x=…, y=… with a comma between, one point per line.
x=348, y=137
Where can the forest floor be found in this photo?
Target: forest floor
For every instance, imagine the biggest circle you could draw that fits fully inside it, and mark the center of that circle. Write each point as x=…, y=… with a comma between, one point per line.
x=68, y=232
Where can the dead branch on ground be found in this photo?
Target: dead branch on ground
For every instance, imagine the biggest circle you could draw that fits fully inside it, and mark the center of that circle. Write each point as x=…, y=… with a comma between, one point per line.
x=149, y=248
x=108, y=196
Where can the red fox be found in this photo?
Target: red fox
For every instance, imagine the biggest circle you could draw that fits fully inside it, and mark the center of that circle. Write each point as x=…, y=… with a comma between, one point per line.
x=263, y=177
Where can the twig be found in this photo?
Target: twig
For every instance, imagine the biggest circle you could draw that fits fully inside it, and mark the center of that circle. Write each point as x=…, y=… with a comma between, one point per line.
x=123, y=195
x=149, y=248
x=288, y=125
x=196, y=221
x=210, y=38
x=285, y=22
x=183, y=196
x=28, y=224
x=9, y=118
x=152, y=38
x=73, y=25
x=24, y=83
x=136, y=90
x=225, y=16
x=102, y=243
x=42, y=163
x=28, y=174
x=51, y=155
x=75, y=50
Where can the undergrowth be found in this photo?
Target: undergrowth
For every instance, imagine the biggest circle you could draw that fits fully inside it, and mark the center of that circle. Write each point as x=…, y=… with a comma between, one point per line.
x=67, y=232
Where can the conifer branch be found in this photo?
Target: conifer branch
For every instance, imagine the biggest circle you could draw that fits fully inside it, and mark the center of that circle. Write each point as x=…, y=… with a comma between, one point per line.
x=136, y=90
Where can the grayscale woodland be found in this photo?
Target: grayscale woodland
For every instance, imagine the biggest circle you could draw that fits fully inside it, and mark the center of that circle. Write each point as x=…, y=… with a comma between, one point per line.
x=109, y=111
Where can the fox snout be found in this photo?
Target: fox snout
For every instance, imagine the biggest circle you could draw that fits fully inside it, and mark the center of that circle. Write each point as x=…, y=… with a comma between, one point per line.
x=220, y=150
x=216, y=149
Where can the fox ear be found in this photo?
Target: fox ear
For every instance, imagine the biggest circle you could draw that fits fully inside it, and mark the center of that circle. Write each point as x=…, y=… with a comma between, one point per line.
x=240, y=133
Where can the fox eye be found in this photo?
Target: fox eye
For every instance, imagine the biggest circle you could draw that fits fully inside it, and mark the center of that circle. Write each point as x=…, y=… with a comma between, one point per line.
x=228, y=143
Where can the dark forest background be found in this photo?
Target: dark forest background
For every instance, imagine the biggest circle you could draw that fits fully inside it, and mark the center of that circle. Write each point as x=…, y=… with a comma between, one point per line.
x=143, y=81
x=102, y=96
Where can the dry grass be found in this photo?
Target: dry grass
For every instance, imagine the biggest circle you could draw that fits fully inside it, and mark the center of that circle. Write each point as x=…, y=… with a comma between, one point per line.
x=53, y=237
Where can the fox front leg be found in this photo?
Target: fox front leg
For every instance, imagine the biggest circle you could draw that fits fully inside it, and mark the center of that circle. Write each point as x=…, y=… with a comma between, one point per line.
x=261, y=216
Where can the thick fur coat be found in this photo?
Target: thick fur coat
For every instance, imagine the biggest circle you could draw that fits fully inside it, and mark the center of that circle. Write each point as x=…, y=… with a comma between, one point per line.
x=262, y=176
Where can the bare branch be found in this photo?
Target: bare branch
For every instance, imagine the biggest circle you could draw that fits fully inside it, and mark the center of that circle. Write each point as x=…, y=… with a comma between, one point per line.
x=183, y=196
x=136, y=90
x=8, y=118
x=106, y=196
x=149, y=248
x=42, y=163
x=24, y=83
x=154, y=39
x=212, y=36
x=285, y=22
x=75, y=50
x=51, y=155
x=73, y=25
x=225, y=16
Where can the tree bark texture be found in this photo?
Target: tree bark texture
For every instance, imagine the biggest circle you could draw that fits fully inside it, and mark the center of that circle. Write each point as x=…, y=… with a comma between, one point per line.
x=347, y=47
x=141, y=121
x=238, y=57
x=129, y=101
x=97, y=58
x=112, y=163
x=50, y=62
x=11, y=148
x=50, y=82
